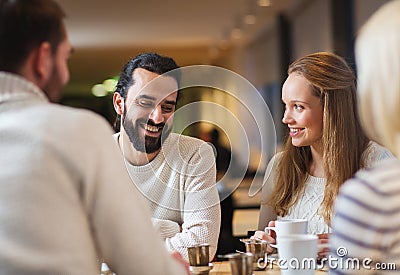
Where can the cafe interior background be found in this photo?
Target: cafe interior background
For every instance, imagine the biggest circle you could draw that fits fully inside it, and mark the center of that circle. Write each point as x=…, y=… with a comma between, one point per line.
x=256, y=39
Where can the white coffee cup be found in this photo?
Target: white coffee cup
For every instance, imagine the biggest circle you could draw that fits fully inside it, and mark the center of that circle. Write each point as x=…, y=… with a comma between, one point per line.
x=297, y=254
x=289, y=226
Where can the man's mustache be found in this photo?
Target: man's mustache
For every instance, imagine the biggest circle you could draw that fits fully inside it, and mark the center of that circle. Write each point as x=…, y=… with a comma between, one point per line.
x=152, y=123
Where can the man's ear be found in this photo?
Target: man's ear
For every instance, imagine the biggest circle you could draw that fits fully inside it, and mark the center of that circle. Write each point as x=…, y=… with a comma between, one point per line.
x=43, y=63
x=118, y=102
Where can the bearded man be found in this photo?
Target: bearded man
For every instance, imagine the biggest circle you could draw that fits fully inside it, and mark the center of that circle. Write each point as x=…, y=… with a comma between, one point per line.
x=175, y=173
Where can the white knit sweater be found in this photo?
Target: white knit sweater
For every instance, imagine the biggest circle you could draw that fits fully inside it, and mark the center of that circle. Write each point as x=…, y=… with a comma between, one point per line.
x=61, y=202
x=308, y=204
x=180, y=185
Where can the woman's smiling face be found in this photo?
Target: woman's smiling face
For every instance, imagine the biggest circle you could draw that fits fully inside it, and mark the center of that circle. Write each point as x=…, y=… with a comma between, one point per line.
x=303, y=111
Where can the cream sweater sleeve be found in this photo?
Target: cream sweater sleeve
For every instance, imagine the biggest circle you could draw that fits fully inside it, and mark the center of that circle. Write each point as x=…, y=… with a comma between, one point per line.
x=119, y=216
x=166, y=228
x=201, y=210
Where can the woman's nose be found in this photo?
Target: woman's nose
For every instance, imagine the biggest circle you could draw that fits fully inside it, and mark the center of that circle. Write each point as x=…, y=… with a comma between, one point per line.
x=286, y=117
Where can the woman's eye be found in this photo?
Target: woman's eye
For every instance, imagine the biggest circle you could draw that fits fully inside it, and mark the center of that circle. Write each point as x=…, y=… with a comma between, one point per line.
x=298, y=107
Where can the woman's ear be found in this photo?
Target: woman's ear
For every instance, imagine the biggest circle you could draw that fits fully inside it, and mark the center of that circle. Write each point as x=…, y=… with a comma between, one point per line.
x=118, y=102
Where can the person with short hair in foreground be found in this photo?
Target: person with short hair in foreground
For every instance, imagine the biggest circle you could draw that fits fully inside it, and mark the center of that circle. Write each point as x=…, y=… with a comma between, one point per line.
x=62, y=205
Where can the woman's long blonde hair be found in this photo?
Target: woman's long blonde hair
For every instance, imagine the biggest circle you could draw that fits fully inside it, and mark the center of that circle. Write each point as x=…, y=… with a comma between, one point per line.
x=344, y=142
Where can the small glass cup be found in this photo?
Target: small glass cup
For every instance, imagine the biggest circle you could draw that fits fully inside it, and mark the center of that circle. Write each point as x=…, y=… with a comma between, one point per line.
x=199, y=255
x=241, y=263
x=259, y=249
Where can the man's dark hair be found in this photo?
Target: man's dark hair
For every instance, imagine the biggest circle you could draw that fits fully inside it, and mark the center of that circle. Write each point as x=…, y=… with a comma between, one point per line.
x=151, y=62
x=24, y=25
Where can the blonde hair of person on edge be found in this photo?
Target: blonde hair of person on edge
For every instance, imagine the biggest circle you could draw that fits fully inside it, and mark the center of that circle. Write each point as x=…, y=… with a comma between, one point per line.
x=325, y=145
x=367, y=210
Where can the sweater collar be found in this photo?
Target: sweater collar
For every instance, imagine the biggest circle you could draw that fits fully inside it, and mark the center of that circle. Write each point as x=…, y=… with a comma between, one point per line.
x=158, y=160
x=14, y=87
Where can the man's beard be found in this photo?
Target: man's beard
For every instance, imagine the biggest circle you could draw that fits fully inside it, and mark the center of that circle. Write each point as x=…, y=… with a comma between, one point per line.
x=54, y=86
x=144, y=144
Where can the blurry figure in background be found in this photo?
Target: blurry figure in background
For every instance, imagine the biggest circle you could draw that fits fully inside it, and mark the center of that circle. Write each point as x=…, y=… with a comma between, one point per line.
x=62, y=206
x=175, y=173
x=223, y=154
x=325, y=146
x=227, y=243
x=367, y=209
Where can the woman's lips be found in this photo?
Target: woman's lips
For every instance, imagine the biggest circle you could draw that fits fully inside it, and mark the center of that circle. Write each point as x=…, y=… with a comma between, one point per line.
x=295, y=131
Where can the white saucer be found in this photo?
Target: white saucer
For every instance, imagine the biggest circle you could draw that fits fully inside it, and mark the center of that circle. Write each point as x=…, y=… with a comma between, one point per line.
x=201, y=269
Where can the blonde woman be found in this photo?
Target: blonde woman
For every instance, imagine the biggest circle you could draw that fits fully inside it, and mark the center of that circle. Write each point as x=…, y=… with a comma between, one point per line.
x=367, y=220
x=325, y=145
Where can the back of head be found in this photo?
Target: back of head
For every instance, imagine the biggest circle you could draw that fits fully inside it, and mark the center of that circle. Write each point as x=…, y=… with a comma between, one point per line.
x=24, y=25
x=151, y=62
x=378, y=63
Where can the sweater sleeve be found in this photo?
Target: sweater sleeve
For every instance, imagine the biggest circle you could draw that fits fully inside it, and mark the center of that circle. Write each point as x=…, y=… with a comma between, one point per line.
x=201, y=210
x=165, y=228
x=119, y=217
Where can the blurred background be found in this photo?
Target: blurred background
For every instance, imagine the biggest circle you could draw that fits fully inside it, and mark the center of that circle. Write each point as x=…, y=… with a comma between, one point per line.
x=256, y=39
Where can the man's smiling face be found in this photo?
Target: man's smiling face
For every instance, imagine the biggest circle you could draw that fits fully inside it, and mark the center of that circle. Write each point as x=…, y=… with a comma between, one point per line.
x=149, y=110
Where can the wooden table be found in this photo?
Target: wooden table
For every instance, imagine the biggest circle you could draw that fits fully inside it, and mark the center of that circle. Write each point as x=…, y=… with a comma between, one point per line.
x=223, y=268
